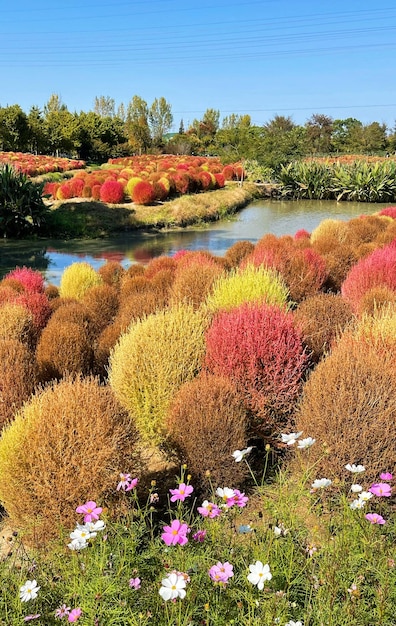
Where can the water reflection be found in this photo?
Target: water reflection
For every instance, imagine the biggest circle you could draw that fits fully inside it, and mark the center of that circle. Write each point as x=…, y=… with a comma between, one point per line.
x=257, y=219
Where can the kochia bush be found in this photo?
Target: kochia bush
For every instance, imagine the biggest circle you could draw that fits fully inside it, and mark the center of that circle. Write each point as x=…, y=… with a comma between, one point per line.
x=31, y=280
x=143, y=193
x=112, y=192
x=150, y=363
x=258, y=347
x=76, y=279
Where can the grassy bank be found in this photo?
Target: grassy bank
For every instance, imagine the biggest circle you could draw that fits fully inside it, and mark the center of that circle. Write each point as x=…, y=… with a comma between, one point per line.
x=90, y=218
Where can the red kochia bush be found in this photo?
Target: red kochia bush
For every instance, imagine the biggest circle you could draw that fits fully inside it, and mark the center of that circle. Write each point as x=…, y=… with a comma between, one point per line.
x=377, y=269
x=260, y=350
x=143, y=193
x=30, y=279
x=390, y=211
x=112, y=191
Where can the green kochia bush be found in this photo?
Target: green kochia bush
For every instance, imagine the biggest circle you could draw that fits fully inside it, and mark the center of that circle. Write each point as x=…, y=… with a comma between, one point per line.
x=152, y=360
x=22, y=209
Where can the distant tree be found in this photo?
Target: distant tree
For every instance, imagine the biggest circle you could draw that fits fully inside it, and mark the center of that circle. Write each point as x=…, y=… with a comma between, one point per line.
x=61, y=128
x=136, y=125
x=374, y=137
x=104, y=106
x=160, y=120
x=54, y=104
x=99, y=138
x=319, y=130
x=181, y=127
x=121, y=114
x=280, y=143
x=280, y=124
x=234, y=139
x=37, y=137
x=14, y=128
x=343, y=133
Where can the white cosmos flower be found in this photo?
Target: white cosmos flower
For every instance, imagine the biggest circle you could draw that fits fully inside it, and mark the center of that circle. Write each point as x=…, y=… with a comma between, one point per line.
x=28, y=591
x=292, y=623
x=173, y=586
x=259, y=573
x=365, y=496
x=239, y=454
x=94, y=527
x=291, y=438
x=77, y=544
x=357, y=504
x=305, y=443
x=321, y=483
x=82, y=531
x=277, y=531
x=356, y=488
x=225, y=493
x=355, y=469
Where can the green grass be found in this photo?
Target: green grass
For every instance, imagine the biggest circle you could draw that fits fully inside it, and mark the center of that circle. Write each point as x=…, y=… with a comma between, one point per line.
x=329, y=565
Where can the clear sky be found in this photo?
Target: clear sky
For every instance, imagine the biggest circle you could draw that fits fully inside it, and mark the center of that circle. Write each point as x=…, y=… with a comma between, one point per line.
x=259, y=57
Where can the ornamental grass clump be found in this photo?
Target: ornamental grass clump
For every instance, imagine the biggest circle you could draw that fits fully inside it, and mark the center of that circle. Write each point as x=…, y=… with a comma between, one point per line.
x=18, y=377
x=259, y=348
x=65, y=464
x=250, y=284
x=76, y=279
x=207, y=419
x=377, y=269
x=152, y=360
x=349, y=404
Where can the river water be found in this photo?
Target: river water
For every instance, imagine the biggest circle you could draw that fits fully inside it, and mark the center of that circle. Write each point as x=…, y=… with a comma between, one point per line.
x=253, y=222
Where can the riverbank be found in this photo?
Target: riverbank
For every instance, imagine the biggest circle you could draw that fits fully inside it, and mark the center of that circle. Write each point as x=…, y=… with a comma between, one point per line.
x=91, y=219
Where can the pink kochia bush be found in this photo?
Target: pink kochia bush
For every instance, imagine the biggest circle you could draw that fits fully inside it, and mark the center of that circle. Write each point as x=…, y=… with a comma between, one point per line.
x=31, y=280
x=260, y=350
x=377, y=269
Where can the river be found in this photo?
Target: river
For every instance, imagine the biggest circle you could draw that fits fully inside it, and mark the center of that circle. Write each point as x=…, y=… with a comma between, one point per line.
x=251, y=223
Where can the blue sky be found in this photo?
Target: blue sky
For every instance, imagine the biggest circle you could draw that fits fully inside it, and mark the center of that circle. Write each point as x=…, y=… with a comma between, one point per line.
x=263, y=57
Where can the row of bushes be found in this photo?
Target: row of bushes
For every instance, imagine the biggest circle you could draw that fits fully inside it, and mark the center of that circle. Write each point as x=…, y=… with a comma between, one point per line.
x=196, y=355
x=359, y=181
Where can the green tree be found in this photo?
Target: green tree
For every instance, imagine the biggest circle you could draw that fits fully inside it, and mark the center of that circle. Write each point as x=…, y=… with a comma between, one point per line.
x=343, y=133
x=37, y=137
x=14, y=129
x=234, y=139
x=160, y=120
x=136, y=125
x=319, y=131
x=104, y=106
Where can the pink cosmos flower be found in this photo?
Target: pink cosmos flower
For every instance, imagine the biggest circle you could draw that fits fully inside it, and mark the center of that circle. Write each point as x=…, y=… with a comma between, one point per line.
x=221, y=572
x=134, y=583
x=74, y=615
x=386, y=476
x=208, y=509
x=181, y=493
x=175, y=533
x=124, y=482
x=28, y=618
x=199, y=536
x=63, y=611
x=90, y=510
x=132, y=484
x=381, y=489
x=238, y=498
x=374, y=518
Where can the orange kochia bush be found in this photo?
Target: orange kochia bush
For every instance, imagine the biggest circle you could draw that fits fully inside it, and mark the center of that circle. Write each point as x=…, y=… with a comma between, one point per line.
x=259, y=348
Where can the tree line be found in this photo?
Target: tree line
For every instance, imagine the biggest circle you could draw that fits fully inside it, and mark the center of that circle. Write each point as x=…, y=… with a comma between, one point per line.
x=136, y=128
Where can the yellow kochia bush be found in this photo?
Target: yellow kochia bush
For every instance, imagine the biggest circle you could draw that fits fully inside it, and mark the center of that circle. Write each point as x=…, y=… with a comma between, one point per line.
x=66, y=445
x=152, y=360
x=77, y=279
x=250, y=284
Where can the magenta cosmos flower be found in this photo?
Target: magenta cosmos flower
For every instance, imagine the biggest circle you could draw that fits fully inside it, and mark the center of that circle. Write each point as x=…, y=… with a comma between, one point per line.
x=381, y=489
x=175, y=533
x=386, y=476
x=127, y=483
x=239, y=499
x=134, y=583
x=221, y=572
x=181, y=493
x=74, y=615
x=374, y=518
x=90, y=511
x=208, y=509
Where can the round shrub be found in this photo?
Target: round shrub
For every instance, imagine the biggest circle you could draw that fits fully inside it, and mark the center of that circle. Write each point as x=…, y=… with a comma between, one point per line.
x=131, y=184
x=376, y=299
x=38, y=305
x=329, y=233
x=377, y=269
x=250, y=284
x=158, y=264
x=66, y=465
x=31, y=280
x=152, y=360
x=112, y=192
x=194, y=281
x=76, y=279
x=143, y=193
x=111, y=273
x=16, y=322
x=390, y=211
x=339, y=261
x=258, y=347
x=349, y=407
x=207, y=422
x=321, y=318
x=63, y=348
x=101, y=303
x=17, y=377
x=238, y=251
